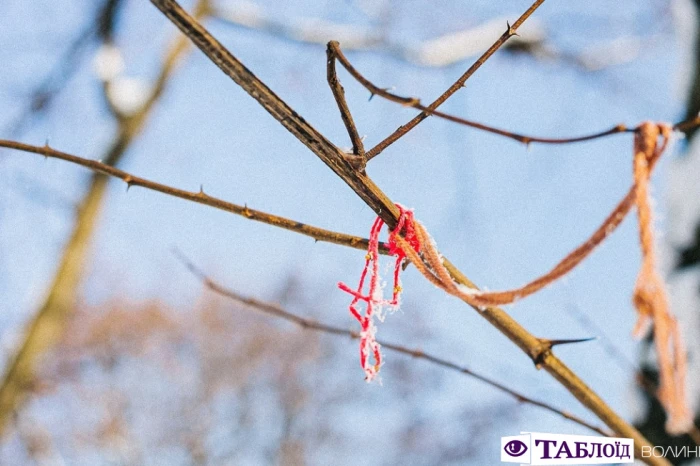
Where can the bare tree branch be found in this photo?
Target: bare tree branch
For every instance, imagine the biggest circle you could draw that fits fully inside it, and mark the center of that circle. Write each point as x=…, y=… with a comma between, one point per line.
x=358, y=148
x=403, y=129
x=334, y=52
x=319, y=234
x=309, y=324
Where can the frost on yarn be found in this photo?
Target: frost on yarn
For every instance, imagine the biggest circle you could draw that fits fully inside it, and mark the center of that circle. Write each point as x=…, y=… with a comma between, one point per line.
x=370, y=350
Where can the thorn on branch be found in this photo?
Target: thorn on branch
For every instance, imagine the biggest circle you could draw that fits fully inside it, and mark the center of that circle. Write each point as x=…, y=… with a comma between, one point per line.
x=552, y=343
x=544, y=349
x=511, y=30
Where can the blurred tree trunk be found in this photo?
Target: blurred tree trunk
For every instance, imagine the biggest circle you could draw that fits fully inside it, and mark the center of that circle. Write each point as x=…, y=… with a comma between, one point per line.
x=46, y=328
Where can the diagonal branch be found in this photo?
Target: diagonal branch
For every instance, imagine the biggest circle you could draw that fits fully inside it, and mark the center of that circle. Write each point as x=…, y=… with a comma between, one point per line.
x=382, y=205
x=319, y=234
x=403, y=129
x=309, y=324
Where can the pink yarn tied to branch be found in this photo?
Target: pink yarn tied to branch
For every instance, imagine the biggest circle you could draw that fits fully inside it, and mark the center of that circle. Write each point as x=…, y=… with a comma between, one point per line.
x=374, y=299
x=410, y=240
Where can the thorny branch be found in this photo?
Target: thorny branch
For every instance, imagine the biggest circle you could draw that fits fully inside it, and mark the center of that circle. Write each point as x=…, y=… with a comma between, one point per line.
x=335, y=53
x=402, y=130
x=200, y=197
x=379, y=202
x=309, y=324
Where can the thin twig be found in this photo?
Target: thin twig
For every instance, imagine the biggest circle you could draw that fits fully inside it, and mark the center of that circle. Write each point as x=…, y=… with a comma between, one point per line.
x=358, y=148
x=277, y=311
x=200, y=197
x=335, y=52
x=404, y=129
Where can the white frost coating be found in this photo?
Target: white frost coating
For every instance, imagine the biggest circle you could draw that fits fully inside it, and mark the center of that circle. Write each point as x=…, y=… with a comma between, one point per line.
x=378, y=300
x=108, y=62
x=467, y=290
x=369, y=333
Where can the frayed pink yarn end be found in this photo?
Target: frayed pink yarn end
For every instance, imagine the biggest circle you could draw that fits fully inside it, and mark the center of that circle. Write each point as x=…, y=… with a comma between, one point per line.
x=370, y=350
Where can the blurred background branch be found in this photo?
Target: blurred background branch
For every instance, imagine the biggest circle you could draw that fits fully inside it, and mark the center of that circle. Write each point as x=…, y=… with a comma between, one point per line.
x=441, y=51
x=46, y=328
x=309, y=324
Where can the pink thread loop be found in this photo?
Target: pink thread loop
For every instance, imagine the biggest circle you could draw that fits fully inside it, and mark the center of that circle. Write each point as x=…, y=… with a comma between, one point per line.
x=369, y=347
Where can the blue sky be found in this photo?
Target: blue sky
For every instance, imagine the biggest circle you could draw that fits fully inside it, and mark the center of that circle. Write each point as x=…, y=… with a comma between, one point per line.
x=503, y=213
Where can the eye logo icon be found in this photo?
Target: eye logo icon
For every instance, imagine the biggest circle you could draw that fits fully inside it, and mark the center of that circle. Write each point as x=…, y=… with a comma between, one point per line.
x=515, y=448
